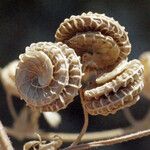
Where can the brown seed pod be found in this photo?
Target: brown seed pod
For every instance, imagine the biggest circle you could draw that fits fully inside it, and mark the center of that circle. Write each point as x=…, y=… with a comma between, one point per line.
x=48, y=76
x=116, y=93
x=8, y=81
x=8, y=78
x=145, y=60
x=110, y=83
x=96, y=38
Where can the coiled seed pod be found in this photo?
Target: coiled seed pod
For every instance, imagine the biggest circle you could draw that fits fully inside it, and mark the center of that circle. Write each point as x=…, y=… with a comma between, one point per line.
x=8, y=81
x=95, y=37
x=110, y=83
x=48, y=76
x=145, y=60
x=121, y=91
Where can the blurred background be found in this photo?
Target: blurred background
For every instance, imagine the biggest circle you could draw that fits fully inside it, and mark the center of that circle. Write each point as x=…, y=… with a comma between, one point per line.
x=23, y=22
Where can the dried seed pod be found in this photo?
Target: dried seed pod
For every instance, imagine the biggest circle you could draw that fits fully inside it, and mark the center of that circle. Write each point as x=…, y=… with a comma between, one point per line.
x=96, y=37
x=8, y=81
x=110, y=75
x=48, y=76
x=134, y=71
x=145, y=60
x=121, y=91
x=8, y=78
x=53, y=144
x=110, y=82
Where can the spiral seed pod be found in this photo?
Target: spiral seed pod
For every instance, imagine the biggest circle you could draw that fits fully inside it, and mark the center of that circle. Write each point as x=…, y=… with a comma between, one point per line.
x=116, y=93
x=8, y=78
x=145, y=59
x=48, y=76
x=95, y=37
x=110, y=83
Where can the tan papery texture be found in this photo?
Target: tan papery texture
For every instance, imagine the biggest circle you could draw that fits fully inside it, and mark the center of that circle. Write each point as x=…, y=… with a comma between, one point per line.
x=110, y=82
x=96, y=34
x=48, y=76
x=120, y=92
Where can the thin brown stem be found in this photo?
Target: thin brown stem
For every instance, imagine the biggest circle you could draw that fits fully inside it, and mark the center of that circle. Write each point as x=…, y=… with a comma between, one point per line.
x=85, y=125
x=84, y=128
x=112, y=141
x=11, y=106
x=5, y=143
x=69, y=137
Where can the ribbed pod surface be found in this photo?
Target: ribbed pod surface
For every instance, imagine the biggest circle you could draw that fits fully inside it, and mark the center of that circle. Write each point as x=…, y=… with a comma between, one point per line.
x=48, y=76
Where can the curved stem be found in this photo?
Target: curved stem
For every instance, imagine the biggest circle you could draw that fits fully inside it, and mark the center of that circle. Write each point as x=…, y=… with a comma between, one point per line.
x=11, y=106
x=69, y=137
x=84, y=129
x=85, y=125
x=5, y=143
x=112, y=141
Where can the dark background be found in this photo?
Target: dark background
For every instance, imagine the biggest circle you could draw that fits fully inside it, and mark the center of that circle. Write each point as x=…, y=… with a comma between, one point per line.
x=25, y=22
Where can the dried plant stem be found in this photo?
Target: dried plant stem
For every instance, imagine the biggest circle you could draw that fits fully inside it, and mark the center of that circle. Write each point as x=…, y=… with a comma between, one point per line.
x=85, y=125
x=5, y=143
x=11, y=106
x=112, y=141
x=69, y=137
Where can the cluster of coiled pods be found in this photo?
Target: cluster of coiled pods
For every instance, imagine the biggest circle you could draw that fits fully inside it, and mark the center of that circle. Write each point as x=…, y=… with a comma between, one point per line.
x=49, y=75
x=90, y=55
